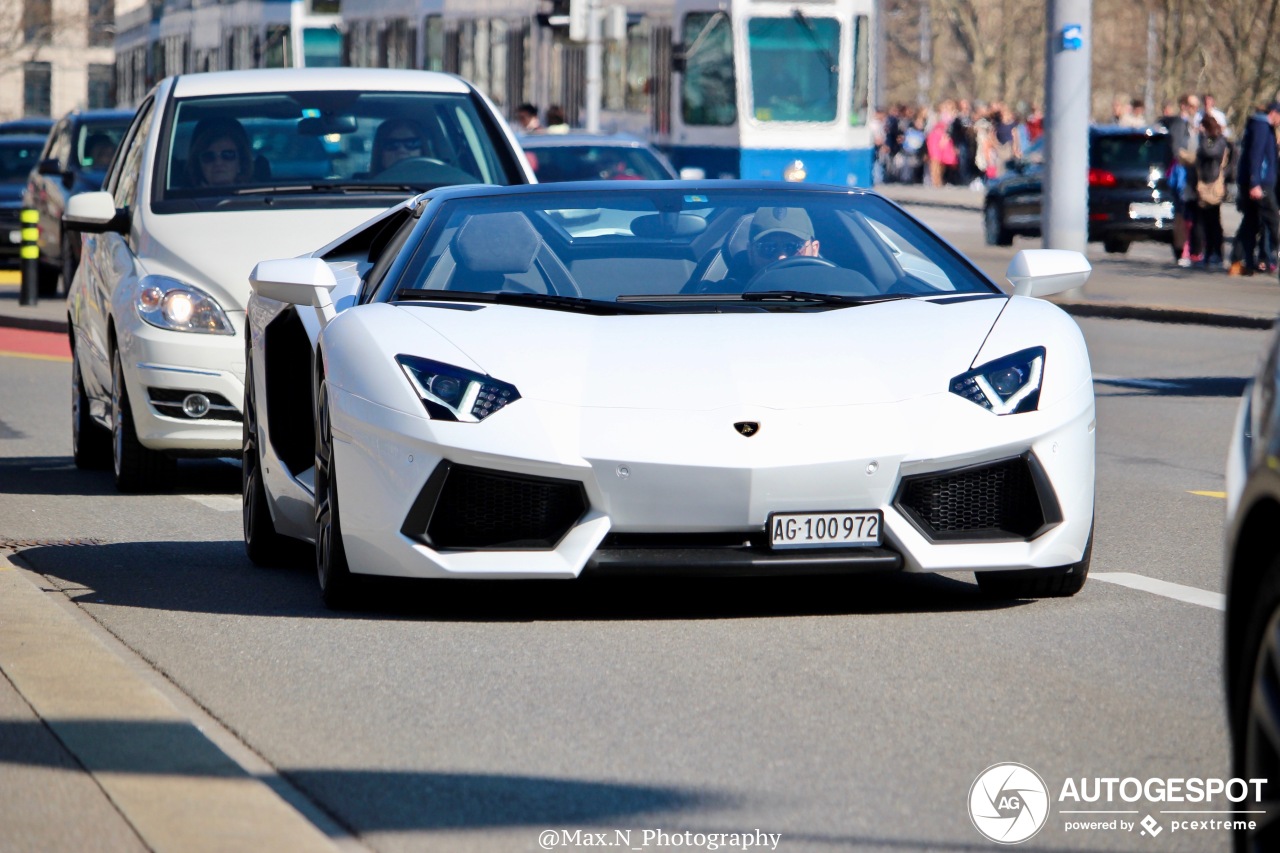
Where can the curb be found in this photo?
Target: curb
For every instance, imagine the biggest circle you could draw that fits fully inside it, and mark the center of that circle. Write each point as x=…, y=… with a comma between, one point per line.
x=1155, y=314
x=33, y=324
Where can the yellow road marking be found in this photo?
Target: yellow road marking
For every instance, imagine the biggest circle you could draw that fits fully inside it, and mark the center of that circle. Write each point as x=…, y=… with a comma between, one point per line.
x=1222, y=495
x=36, y=356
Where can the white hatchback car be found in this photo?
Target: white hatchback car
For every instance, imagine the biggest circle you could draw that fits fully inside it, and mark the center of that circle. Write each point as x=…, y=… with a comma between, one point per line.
x=217, y=171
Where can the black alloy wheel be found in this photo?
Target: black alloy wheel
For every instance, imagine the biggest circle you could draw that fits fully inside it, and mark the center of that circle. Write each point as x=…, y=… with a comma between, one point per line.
x=137, y=468
x=1062, y=582
x=993, y=226
x=337, y=585
x=90, y=443
x=1261, y=734
x=262, y=543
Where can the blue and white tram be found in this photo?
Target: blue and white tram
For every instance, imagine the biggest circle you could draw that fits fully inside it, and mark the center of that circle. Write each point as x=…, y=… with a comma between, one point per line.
x=184, y=36
x=774, y=89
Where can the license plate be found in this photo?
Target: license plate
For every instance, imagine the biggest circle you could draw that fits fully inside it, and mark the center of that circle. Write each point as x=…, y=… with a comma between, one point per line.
x=1151, y=210
x=15, y=236
x=824, y=529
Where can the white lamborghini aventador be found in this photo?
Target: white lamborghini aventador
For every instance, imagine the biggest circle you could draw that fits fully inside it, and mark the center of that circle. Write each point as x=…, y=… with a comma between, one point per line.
x=726, y=378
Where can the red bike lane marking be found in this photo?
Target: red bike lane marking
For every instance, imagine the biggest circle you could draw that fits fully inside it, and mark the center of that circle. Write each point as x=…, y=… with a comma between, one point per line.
x=25, y=343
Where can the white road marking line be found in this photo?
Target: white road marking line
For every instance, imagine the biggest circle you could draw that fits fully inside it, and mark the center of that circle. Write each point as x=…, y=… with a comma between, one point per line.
x=222, y=503
x=1177, y=591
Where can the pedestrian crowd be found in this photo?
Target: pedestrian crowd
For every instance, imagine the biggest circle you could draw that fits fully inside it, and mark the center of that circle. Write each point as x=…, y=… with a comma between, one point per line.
x=959, y=143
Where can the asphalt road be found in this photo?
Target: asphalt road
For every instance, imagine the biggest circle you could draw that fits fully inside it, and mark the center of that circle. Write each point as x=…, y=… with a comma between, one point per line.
x=842, y=714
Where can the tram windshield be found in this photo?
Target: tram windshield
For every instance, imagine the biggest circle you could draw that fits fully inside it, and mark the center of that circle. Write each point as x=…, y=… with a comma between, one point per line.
x=795, y=69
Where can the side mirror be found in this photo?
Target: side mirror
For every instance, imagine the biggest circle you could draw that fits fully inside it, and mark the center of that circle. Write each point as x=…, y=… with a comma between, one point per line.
x=1044, y=272
x=300, y=281
x=95, y=213
x=693, y=173
x=49, y=167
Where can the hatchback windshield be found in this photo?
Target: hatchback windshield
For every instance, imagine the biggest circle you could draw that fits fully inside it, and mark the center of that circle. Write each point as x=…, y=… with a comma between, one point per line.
x=17, y=159
x=247, y=147
x=678, y=249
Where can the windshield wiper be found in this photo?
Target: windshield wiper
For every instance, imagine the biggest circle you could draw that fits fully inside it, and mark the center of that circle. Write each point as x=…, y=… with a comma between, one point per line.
x=507, y=297
x=833, y=67
x=331, y=186
x=765, y=296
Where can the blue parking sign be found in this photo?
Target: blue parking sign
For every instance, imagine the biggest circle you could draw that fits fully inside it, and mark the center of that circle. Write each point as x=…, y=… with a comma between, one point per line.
x=1072, y=37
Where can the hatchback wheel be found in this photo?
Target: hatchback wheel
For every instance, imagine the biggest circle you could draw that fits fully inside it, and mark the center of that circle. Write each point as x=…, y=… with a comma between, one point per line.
x=1113, y=246
x=90, y=443
x=262, y=543
x=337, y=585
x=137, y=468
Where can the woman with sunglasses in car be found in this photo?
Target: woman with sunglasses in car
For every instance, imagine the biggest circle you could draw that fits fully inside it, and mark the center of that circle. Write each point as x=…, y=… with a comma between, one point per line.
x=220, y=154
x=396, y=140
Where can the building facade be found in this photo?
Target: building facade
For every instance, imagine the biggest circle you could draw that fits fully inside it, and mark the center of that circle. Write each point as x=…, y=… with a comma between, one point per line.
x=56, y=56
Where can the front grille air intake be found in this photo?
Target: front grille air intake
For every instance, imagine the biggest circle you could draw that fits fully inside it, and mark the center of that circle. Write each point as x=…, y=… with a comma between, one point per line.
x=462, y=507
x=1008, y=499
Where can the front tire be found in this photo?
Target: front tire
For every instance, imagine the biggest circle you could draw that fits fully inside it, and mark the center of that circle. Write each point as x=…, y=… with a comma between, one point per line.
x=90, y=443
x=1115, y=247
x=137, y=468
x=1260, y=758
x=262, y=542
x=993, y=226
x=1061, y=582
x=337, y=585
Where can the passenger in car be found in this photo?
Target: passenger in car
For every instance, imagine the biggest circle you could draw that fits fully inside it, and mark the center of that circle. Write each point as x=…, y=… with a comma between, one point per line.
x=395, y=140
x=220, y=154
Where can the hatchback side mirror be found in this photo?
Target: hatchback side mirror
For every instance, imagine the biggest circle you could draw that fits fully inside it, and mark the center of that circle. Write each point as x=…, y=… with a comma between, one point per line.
x=95, y=213
x=49, y=167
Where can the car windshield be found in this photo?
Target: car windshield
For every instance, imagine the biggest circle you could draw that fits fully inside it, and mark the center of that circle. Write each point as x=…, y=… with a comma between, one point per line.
x=96, y=143
x=249, y=149
x=17, y=160
x=594, y=163
x=677, y=249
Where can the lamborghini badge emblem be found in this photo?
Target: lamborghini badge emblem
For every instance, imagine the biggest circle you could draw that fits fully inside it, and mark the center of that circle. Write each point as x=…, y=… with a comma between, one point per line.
x=747, y=428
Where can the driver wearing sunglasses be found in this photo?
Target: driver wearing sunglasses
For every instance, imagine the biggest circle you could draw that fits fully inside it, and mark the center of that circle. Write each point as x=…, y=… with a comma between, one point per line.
x=778, y=233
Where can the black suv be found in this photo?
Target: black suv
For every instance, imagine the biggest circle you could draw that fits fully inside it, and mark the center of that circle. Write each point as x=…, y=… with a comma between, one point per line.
x=1129, y=194
x=74, y=160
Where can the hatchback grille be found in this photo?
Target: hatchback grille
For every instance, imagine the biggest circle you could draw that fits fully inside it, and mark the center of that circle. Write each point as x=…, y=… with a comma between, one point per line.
x=476, y=508
x=1009, y=499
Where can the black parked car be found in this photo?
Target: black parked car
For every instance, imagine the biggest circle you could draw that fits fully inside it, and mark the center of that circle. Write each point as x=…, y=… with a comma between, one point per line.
x=1252, y=643
x=1129, y=194
x=29, y=126
x=18, y=154
x=74, y=160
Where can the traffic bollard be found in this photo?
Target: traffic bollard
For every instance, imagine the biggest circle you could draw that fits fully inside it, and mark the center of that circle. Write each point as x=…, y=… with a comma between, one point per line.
x=30, y=253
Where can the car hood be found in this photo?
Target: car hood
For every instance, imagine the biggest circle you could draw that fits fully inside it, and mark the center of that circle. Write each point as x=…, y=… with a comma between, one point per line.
x=11, y=194
x=862, y=354
x=217, y=251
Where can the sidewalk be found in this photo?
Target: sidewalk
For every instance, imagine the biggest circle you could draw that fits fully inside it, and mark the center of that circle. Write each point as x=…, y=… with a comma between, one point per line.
x=1142, y=285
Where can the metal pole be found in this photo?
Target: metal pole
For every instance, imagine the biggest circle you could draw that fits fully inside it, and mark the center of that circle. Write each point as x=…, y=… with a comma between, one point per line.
x=594, y=62
x=1067, y=113
x=30, y=253
x=924, y=77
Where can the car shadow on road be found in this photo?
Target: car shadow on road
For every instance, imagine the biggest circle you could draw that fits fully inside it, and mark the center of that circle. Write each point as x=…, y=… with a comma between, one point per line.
x=1171, y=386
x=216, y=577
x=58, y=475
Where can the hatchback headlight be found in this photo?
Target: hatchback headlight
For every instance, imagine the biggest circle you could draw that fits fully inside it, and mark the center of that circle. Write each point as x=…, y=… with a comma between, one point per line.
x=453, y=394
x=180, y=307
x=1006, y=386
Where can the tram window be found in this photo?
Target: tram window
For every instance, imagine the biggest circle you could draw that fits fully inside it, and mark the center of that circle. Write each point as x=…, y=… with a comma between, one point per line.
x=861, y=71
x=639, y=56
x=794, y=69
x=433, y=43
x=322, y=47
x=276, y=52
x=708, y=90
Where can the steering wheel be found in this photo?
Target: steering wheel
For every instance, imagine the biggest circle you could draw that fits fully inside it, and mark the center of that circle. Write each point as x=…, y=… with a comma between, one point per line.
x=797, y=262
